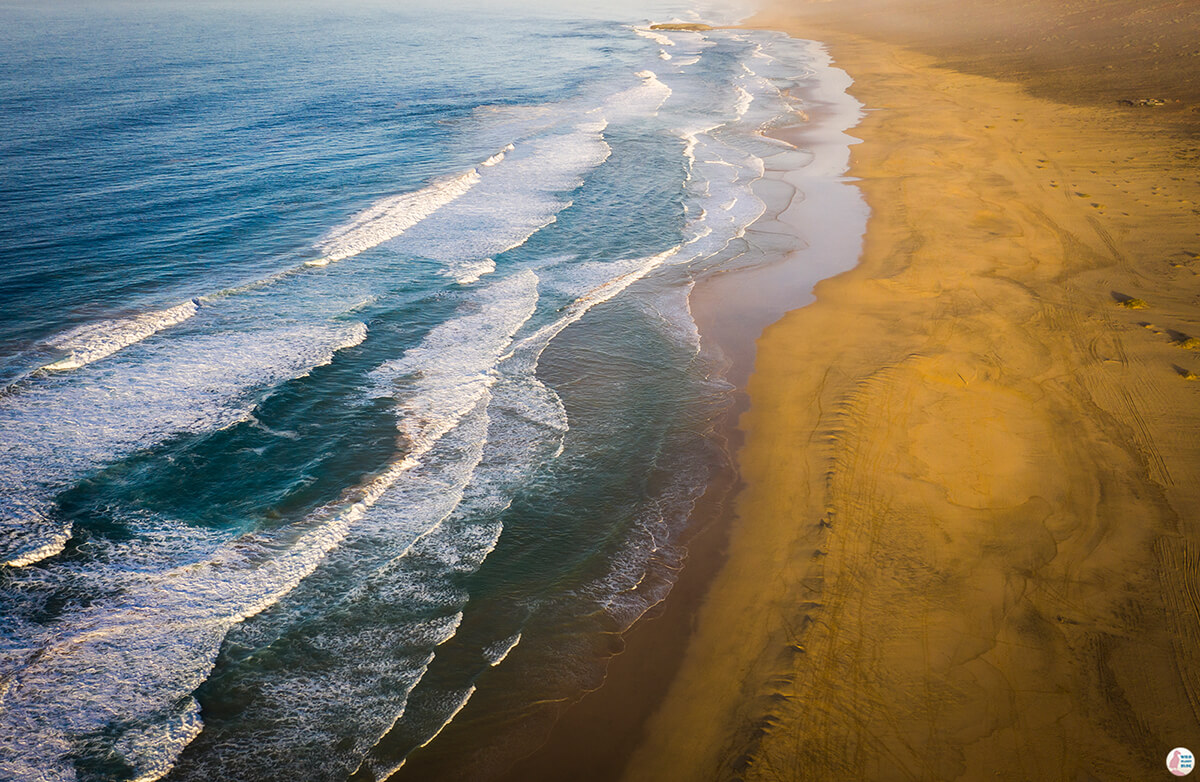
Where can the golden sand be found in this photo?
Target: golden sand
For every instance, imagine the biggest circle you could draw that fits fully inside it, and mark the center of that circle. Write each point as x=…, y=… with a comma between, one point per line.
x=968, y=546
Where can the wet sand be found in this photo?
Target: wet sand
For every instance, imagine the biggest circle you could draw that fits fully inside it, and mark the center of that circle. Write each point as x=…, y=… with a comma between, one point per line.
x=593, y=739
x=968, y=543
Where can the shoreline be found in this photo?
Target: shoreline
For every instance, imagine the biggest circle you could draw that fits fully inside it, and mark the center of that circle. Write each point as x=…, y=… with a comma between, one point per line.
x=965, y=549
x=595, y=737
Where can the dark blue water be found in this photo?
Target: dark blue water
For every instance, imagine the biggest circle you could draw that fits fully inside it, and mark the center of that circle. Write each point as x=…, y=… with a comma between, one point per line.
x=347, y=365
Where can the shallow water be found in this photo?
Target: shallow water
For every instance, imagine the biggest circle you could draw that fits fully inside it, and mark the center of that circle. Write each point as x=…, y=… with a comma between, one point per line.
x=349, y=374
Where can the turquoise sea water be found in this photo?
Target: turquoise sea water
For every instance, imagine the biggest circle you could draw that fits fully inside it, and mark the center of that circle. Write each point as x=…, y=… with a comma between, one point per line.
x=349, y=381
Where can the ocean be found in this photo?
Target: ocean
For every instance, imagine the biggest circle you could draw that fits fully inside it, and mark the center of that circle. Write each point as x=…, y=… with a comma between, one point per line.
x=350, y=389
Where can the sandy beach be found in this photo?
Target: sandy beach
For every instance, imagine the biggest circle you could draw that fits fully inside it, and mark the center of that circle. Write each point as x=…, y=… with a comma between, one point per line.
x=967, y=546
x=464, y=392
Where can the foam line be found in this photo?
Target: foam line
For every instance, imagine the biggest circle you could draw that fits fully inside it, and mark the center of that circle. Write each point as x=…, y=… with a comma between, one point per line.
x=163, y=639
x=164, y=634
x=38, y=538
x=526, y=353
x=395, y=606
x=644, y=99
x=455, y=362
x=654, y=35
x=461, y=705
x=498, y=652
x=512, y=204
x=471, y=272
x=94, y=341
x=384, y=220
x=498, y=157
x=57, y=431
x=743, y=101
x=390, y=217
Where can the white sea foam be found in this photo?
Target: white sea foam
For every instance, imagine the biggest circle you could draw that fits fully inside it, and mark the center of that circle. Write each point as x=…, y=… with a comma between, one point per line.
x=390, y=217
x=663, y=54
x=689, y=150
x=157, y=746
x=512, y=203
x=726, y=204
x=403, y=609
x=527, y=423
x=641, y=575
x=498, y=157
x=129, y=662
x=498, y=652
x=467, y=273
x=643, y=100
x=474, y=418
x=366, y=603
x=672, y=307
x=35, y=539
x=94, y=341
x=167, y=643
x=744, y=99
x=526, y=428
x=54, y=432
x=619, y=275
x=654, y=35
x=453, y=366
x=462, y=702
x=163, y=636
x=642, y=572
x=384, y=220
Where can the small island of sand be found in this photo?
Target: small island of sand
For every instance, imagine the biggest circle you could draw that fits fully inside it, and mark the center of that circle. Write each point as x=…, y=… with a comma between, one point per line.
x=681, y=27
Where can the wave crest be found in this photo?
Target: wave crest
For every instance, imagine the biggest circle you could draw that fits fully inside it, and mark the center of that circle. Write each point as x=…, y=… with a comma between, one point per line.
x=390, y=217
x=94, y=341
